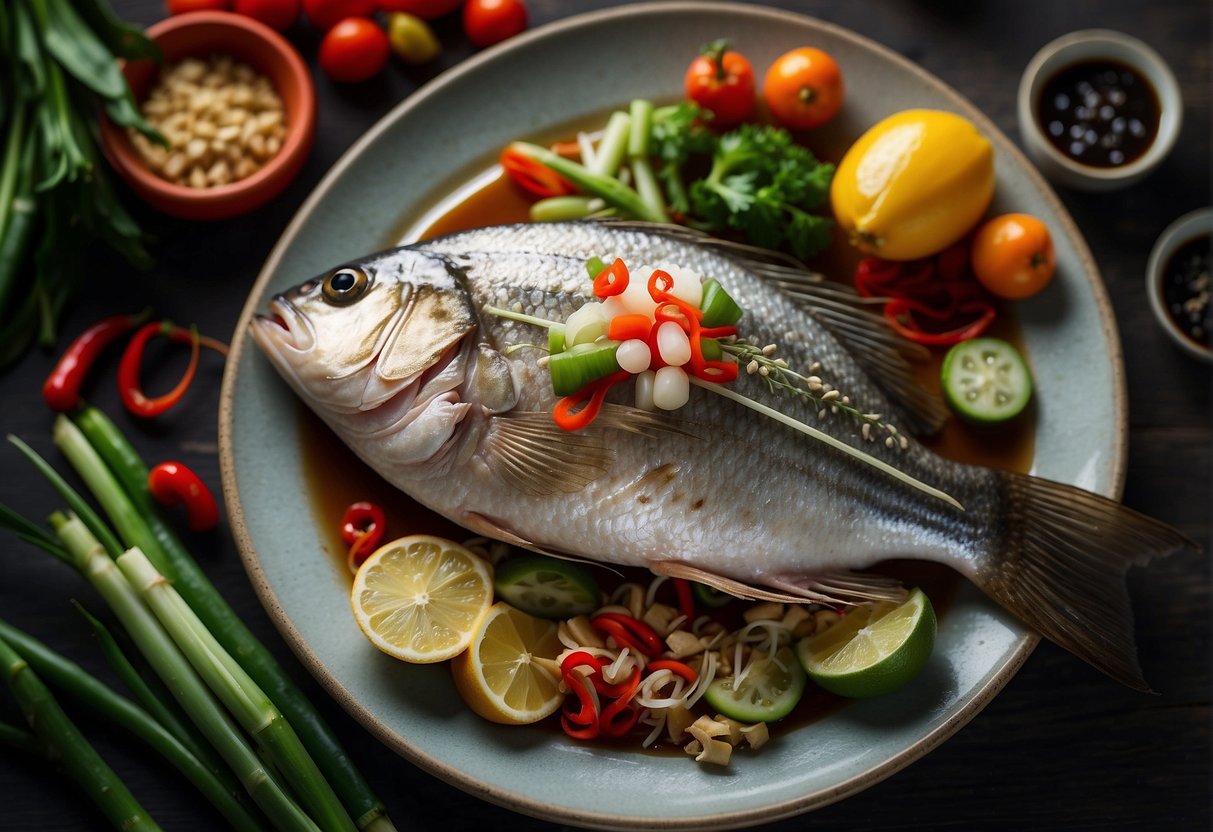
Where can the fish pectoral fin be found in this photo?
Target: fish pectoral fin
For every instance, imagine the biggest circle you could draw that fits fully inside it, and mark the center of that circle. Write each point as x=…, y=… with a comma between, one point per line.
x=488, y=527
x=842, y=588
x=677, y=569
x=530, y=453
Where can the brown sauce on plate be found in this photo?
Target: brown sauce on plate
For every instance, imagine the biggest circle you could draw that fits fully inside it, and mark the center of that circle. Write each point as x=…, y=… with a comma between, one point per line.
x=337, y=478
x=1100, y=113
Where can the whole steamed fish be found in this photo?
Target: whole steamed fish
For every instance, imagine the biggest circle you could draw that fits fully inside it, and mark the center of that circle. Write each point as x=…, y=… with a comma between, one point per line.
x=399, y=356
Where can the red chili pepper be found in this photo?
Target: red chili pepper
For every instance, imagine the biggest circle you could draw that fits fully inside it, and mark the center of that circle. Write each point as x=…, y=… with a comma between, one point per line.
x=689, y=317
x=61, y=390
x=128, y=372
x=612, y=280
x=674, y=666
x=686, y=603
x=171, y=483
x=362, y=528
x=629, y=632
x=591, y=396
x=534, y=176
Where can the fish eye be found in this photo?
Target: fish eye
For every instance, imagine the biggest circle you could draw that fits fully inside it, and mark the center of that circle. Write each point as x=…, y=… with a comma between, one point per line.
x=345, y=285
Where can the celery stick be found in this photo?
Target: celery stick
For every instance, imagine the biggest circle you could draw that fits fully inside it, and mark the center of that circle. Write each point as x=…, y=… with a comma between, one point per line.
x=613, y=146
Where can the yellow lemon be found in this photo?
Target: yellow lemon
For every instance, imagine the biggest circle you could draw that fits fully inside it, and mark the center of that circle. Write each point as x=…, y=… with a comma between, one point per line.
x=422, y=598
x=509, y=674
x=913, y=184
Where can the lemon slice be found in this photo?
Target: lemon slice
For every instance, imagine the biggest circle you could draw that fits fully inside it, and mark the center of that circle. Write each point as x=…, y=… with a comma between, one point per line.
x=421, y=598
x=873, y=650
x=509, y=674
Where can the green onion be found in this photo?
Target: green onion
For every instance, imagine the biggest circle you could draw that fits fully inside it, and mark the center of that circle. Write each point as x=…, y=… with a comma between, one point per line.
x=580, y=364
x=556, y=339
x=91, y=692
x=594, y=266
x=19, y=739
x=239, y=693
x=719, y=308
x=169, y=555
x=611, y=190
x=638, y=158
x=613, y=146
x=72, y=751
x=564, y=208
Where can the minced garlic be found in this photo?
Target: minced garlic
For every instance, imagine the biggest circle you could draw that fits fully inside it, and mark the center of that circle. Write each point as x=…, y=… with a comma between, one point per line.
x=223, y=122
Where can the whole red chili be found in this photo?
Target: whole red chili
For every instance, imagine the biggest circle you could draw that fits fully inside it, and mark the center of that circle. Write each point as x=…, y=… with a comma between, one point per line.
x=362, y=528
x=61, y=390
x=172, y=483
x=128, y=372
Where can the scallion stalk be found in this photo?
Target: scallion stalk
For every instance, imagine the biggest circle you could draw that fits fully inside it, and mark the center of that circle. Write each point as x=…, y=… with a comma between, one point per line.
x=239, y=693
x=170, y=556
x=173, y=668
x=608, y=188
x=92, y=693
x=73, y=752
x=613, y=146
x=564, y=208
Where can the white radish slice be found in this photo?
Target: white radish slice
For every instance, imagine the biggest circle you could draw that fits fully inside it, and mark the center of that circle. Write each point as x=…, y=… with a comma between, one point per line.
x=585, y=326
x=634, y=356
x=671, y=388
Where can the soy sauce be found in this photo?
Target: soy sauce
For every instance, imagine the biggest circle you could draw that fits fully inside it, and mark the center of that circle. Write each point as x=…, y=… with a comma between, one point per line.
x=1099, y=113
x=1186, y=289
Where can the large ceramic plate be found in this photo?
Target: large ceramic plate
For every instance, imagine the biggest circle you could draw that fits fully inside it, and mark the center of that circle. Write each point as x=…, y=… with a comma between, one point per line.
x=438, y=138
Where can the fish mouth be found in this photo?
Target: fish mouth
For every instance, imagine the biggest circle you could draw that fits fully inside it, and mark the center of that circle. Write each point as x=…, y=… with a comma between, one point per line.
x=283, y=328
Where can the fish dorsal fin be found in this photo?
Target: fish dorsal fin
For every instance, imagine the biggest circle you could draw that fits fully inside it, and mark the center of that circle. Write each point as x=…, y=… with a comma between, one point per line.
x=883, y=354
x=678, y=569
x=529, y=452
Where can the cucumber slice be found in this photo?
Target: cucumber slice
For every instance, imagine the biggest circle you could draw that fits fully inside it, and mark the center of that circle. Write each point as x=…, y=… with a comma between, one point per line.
x=547, y=587
x=580, y=364
x=709, y=596
x=768, y=692
x=719, y=309
x=985, y=381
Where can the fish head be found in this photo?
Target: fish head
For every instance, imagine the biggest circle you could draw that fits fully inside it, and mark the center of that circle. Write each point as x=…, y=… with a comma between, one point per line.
x=389, y=328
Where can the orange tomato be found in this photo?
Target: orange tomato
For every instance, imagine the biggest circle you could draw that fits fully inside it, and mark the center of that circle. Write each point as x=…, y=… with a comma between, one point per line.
x=1013, y=256
x=722, y=82
x=803, y=88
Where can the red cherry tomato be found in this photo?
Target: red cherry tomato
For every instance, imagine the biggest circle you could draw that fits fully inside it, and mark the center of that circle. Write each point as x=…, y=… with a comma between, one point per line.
x=354, y=50
x=425, y=9
x=486, y=22
x=803, y=88
x=721, y=82
x=277, y=14
x=184, y=6
x=325, y=14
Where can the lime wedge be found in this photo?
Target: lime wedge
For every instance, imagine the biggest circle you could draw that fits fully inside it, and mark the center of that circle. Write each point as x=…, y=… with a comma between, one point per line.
x=873, y=650
x=547, y=587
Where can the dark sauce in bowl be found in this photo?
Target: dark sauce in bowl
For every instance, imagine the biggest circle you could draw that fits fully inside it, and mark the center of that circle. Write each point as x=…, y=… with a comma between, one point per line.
x=1186, y=289
x=1100, y=113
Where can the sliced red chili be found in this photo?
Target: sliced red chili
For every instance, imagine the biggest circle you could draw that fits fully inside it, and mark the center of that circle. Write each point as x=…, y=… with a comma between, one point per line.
x=61, y=390
x=362, y=528
x=534, y=176
x=688, y=317
x=612, y=280
x=686, y=602
x=589, y=398
x=173, y=483
x=628, y=632
x=674, y=666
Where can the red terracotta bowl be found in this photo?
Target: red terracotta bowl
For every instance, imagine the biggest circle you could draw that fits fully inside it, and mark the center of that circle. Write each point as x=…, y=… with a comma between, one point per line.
x=201, y=34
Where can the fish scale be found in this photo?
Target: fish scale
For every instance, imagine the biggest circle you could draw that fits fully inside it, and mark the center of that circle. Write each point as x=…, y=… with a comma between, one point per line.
x=714, y=491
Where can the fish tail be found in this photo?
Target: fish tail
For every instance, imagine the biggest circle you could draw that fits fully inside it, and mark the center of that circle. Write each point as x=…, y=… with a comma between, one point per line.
x=1061, y=567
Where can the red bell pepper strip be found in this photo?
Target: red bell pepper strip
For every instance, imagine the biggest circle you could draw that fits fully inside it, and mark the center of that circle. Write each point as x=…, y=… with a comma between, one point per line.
x=628, y=632
x=61, y=390
x=171, y=483
x=534, y=176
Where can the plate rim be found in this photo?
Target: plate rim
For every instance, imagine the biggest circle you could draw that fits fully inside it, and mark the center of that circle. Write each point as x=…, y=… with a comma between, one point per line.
x=978, y=697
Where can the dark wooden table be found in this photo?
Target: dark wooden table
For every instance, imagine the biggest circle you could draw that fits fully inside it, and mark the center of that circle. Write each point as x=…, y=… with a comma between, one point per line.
x=1060, y=748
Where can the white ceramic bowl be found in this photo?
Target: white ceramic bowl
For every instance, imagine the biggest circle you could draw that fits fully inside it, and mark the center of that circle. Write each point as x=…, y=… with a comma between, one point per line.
x=1089, y=44
x=1177, y=234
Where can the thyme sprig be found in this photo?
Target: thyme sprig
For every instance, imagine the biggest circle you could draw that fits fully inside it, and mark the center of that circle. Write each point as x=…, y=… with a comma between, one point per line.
x=779, y=377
